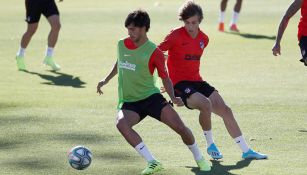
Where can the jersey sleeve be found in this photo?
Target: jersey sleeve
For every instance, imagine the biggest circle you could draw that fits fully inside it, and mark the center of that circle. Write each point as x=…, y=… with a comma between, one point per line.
x=206, y=38
x=168, y=42
x=157, y=61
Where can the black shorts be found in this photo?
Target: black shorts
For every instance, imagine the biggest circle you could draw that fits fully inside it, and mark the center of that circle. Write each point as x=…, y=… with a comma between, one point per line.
x=184, y=89
x=303, y=46
x=151, y=106
x=34, y=9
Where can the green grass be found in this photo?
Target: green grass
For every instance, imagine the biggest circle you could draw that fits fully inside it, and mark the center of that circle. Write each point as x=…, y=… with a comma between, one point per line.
x=43, y=114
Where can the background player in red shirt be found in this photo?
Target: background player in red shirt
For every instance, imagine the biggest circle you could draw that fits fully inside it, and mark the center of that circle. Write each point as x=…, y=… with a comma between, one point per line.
x=34, y=9
x=185, y=46
x=302, y=28
x=235, y=15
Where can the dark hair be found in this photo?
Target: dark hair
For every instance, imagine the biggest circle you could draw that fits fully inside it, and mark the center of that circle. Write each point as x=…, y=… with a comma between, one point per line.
x=189, y=9
x=138, y=18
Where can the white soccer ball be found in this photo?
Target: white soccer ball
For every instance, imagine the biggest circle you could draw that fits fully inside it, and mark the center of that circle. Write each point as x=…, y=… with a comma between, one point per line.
x=80, y=157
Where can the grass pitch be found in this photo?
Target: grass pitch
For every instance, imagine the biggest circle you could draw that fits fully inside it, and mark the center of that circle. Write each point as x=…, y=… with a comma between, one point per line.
x=43, y=114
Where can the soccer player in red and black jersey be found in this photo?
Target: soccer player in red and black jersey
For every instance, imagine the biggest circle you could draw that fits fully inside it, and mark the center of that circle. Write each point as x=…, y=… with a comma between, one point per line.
x=34, y=10
x=185, y=46
x=302, y=28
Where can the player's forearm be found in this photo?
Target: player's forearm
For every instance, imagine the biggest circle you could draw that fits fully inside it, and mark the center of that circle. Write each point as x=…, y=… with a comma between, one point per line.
x=168, y=85
x=111, y=74
x=281, y=29
x=294, y=7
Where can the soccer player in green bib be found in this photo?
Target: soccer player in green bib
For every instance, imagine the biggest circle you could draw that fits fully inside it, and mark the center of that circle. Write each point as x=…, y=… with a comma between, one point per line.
x=137, y=60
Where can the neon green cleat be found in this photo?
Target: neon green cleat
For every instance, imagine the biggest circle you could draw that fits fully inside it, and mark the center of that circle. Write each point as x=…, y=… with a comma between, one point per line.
x=49, y=61
x=20, y=63
x=152, y=167
x=203, y=165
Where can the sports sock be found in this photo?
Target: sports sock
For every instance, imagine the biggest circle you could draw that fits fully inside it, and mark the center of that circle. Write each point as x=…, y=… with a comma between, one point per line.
x=235, y=17
x=242, y=143
x=141, y=148
x=195, y=151
x=21, y=52
x=208, y=136
x=49, y=52
x=222, y=17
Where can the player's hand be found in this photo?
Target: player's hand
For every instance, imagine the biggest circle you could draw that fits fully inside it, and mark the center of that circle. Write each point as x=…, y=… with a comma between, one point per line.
x=276, y=49
x=178, y=101
x=99, y=86
x=162, y=89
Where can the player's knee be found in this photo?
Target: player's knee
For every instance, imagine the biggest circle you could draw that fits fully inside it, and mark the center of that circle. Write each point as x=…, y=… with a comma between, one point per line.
x=31, y=31
x=121, y=124
x=56, y=27
x=226, y=109
x=205, y=105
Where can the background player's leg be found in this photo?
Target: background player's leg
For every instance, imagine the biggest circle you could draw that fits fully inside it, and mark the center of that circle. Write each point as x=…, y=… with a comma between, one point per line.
x=55, y=24
x=223, y=6
x=235, y=16
x=25, y=40
x=237, y=7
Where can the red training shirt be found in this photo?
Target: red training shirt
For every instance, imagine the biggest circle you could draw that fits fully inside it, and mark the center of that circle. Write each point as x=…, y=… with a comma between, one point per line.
x=184, y=53
x=302, y=26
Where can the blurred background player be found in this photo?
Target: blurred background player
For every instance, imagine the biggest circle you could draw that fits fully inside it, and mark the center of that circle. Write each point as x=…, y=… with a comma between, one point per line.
x=34, y=9
x=302, y=28
x=137, y=59
x=185, y=46
x=235, y=15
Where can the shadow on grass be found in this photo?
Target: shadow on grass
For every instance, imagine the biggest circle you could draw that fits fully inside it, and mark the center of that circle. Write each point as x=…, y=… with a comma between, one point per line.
x=8, y=105
x=218, y=168
x=60, y=79
x=16, y=119
x=13, y=138
x=29, y=164
x=303, y=130
x=252, y=36
x=116, y=155
x=84, y=138
x=9, y=144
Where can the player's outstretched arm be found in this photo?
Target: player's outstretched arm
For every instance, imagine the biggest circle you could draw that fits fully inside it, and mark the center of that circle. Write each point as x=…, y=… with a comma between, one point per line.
x=293, y=8
x=168, y=85
x=107, y=79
